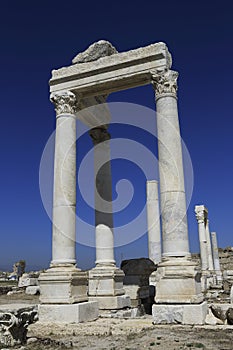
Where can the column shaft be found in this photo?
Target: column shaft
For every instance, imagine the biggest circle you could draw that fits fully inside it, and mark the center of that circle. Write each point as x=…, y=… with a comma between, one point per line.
x=64, y=198
x=153, y=220
x=201, y=215
x=103, y=197
x=172, y=191
x=216, y=257
x=209, y=248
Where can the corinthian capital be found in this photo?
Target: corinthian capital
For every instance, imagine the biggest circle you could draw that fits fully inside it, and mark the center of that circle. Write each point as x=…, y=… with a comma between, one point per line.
x=64, y=101
x=201, y=213
x=165, y=82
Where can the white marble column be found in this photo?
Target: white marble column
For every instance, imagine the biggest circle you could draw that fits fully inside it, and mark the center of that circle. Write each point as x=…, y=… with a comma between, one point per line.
x=153, y=221
x=209, y=247
x=103, y=197
x=171, y=174
x=64, y=198
x=201, y=216
x=216, y=257
x=105, y=280
x=63, y=283
x=179, y=278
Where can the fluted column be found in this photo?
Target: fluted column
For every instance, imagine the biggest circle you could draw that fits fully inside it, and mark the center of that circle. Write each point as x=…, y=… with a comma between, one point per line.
x=153, y=221
x=64, y=196
x=172, y=191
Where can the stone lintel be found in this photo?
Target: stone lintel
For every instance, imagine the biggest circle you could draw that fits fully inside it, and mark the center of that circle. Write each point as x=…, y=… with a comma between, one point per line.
x=112, y=73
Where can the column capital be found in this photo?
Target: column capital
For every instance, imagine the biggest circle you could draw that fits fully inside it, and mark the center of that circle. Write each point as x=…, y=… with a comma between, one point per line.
x=99, y=135
x=165, y=83
x=64, y=101
x=201, y=213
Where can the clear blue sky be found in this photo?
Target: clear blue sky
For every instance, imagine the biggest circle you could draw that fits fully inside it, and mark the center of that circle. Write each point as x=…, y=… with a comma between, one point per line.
x=39, y=36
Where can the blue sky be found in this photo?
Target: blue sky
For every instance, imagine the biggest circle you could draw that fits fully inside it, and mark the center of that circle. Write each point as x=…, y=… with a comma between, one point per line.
x=39, y=36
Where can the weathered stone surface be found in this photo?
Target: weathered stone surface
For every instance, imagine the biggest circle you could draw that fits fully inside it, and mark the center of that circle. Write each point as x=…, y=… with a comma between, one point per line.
x=218, y=312
x=138, y=267
x=14, y=320
x=112, y=73
x=195, y=313
x=211, y=319
x=179, y=282
x=183, y=313
x=26, y=281
x=95, y=51
x=73, y=313
x=32, y=290
x=231, y=295
x=153, y=221
x=229, y=315
x=63, y=285
x=164, y=314
x=112, y=302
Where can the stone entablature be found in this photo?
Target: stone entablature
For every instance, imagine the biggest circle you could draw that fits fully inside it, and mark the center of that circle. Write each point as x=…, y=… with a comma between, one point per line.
x=107, y=74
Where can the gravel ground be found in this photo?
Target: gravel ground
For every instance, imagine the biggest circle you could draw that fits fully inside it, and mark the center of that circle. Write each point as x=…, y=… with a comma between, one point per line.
x=130, y=335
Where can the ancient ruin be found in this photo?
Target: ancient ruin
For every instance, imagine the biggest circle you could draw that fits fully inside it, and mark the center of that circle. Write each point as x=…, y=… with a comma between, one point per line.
x=172, y=285
x=96, y=73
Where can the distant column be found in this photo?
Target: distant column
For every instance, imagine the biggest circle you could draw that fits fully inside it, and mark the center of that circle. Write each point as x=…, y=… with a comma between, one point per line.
x=201, y=216
x=209, y=247
x=216, y=257
x=153, y=221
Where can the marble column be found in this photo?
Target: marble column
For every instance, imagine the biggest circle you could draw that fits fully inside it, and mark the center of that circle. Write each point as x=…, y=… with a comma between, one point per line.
x=209, y=247
x=63, y=283
x=216, y=258
x=201, y=216
x=153, y=221
x=64, y=197
x=105, y=280
x=171, y=174
x=180, y=280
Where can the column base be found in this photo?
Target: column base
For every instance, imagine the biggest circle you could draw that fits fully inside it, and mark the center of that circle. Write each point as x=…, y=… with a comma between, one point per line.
x=63, y=285
x=180, y=282
x=112, y=302
x=180, y=314
x=106, y=281
x=73, y=313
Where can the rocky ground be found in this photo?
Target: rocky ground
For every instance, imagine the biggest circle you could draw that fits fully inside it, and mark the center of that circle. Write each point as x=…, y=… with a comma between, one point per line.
x=130, y=335
x=121, y=334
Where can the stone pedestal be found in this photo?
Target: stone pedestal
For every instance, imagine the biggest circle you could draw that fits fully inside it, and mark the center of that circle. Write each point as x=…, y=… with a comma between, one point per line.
x=106, y=287
x=63, y=285
x=179, y=282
